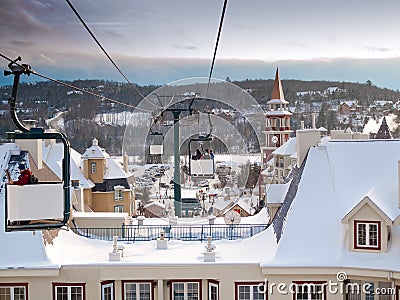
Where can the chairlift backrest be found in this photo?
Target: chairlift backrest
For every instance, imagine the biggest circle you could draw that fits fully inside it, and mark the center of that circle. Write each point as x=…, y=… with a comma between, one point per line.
x=45, y=205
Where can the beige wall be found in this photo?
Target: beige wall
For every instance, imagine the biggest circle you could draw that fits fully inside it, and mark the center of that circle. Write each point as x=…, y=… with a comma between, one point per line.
x=34, y=147
x=40, y=283
x=104, y=201
x=90, y=221
x=367, y=213
x=304, y=140
x=100, y=169
x=272, y=210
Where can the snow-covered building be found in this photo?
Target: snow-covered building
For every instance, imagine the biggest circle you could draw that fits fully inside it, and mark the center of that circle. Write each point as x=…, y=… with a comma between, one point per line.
x=335, y=236
x=113, y=183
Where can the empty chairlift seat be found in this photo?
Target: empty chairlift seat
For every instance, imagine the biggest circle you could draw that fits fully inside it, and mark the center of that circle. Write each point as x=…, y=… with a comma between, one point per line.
x=36, y=202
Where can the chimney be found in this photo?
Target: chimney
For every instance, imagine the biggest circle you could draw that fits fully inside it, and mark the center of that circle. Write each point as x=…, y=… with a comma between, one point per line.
x=301, y=125
x=34, y=147
x=125, y=163
x=314, y=118
x=304, y=140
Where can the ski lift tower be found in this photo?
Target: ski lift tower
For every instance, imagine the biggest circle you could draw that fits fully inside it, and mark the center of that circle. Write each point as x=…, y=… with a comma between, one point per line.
x=176, y=110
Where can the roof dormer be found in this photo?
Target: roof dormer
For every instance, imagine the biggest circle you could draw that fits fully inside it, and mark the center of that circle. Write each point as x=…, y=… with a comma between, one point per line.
x=368, y=227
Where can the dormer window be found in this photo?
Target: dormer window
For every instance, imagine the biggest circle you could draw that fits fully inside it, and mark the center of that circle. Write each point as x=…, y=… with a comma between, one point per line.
x=367, y=235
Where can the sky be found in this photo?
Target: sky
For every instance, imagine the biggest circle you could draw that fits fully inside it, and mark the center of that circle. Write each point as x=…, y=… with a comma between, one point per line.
x=158, y=41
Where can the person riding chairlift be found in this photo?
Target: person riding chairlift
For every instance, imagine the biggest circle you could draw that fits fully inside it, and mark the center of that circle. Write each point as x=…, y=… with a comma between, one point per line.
x=23, y=178
x=198, y=155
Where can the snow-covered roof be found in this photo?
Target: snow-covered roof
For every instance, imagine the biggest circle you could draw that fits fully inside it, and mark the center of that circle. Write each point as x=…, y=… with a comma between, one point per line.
x=278, y=101
x=288, y=148
x=275, y=193
x=155, y=203
x=278, y=113
x=114, y=170
x=336, y=178
x=53, y=155
x=95, y=151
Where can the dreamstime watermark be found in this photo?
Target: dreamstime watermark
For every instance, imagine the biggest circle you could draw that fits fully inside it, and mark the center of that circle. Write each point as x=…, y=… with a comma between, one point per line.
x=339, y=286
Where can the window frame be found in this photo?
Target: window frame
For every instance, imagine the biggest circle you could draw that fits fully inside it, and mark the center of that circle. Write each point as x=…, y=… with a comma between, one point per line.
x=151, y=282
x=119, y=194
x=252, y=284
x=367, y=246
x=93, y=167
x=69, y=285
x=185, y=282
x=16, y=285
x=117, y=208
x=105, y=284
x=213, y=283
x=300, y=283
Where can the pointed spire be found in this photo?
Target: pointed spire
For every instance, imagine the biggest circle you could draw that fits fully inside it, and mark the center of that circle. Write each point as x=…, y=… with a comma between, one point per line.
x=277, y=90
x=383, y=132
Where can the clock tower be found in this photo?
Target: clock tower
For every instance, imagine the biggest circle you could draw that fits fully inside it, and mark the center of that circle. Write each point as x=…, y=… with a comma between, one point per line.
x=277, y=129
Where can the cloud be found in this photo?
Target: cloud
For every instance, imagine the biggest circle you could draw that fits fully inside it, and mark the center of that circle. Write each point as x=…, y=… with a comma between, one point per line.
x=185, y=47
x=22, y=43
x=377, y=49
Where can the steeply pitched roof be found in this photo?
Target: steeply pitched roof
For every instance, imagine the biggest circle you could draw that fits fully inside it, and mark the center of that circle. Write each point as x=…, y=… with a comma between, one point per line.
x=277, y=90
x=383, y=132
x=335, y=178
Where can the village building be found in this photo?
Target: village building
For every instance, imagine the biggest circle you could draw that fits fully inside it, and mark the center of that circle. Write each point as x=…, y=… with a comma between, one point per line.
x=337, y=225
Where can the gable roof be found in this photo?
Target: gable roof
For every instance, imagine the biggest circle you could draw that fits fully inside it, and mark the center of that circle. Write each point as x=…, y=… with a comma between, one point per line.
x=361, y=204
x=336, y=176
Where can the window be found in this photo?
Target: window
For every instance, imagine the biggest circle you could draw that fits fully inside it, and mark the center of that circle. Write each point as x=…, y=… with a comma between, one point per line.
x=13, y=291
x=309, y=290
x=367, y=235
x=93, y=168
x=119, y=208
x=68, y=291
x=107, y=290
x=137, y=290
x=189, y=290
x=118, y=194
x=386, y=291
x=353, y=290
x=213, y=290
x=250, y=291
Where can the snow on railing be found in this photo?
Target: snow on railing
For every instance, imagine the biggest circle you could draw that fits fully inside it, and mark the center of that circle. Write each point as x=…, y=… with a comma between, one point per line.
x=133, y=233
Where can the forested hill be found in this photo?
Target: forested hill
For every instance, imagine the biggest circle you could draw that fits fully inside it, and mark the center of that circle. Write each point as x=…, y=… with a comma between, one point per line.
x=44, y=100
x=364, y=92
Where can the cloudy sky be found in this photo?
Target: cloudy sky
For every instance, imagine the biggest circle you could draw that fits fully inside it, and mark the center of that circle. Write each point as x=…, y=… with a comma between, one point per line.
x=159, y=41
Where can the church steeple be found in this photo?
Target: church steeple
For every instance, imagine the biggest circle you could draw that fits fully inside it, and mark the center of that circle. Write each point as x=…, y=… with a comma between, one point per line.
x=277, y=90
x=383, y=132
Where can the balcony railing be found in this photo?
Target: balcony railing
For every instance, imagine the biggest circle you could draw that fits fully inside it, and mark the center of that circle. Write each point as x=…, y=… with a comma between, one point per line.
x=134, y=233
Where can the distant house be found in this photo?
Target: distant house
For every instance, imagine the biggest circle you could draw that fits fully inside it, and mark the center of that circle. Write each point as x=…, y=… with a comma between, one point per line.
x=334, y=89
x=154, y=209
x=348, y=107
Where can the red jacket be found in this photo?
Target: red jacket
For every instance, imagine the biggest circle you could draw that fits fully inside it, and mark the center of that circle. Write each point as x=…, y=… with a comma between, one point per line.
x=23, y=178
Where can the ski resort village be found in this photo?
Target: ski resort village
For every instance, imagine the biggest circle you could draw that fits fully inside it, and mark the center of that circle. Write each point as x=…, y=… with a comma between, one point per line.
x=187, y=211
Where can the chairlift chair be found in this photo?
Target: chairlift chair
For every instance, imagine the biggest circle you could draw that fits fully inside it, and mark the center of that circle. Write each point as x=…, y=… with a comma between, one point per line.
x=200, y=168
x=156, y=141
x=45, y=205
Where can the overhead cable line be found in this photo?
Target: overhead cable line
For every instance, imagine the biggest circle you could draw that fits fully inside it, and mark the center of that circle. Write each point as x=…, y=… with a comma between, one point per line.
x=106, y=54
x=30, y=71
x=216, y=43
